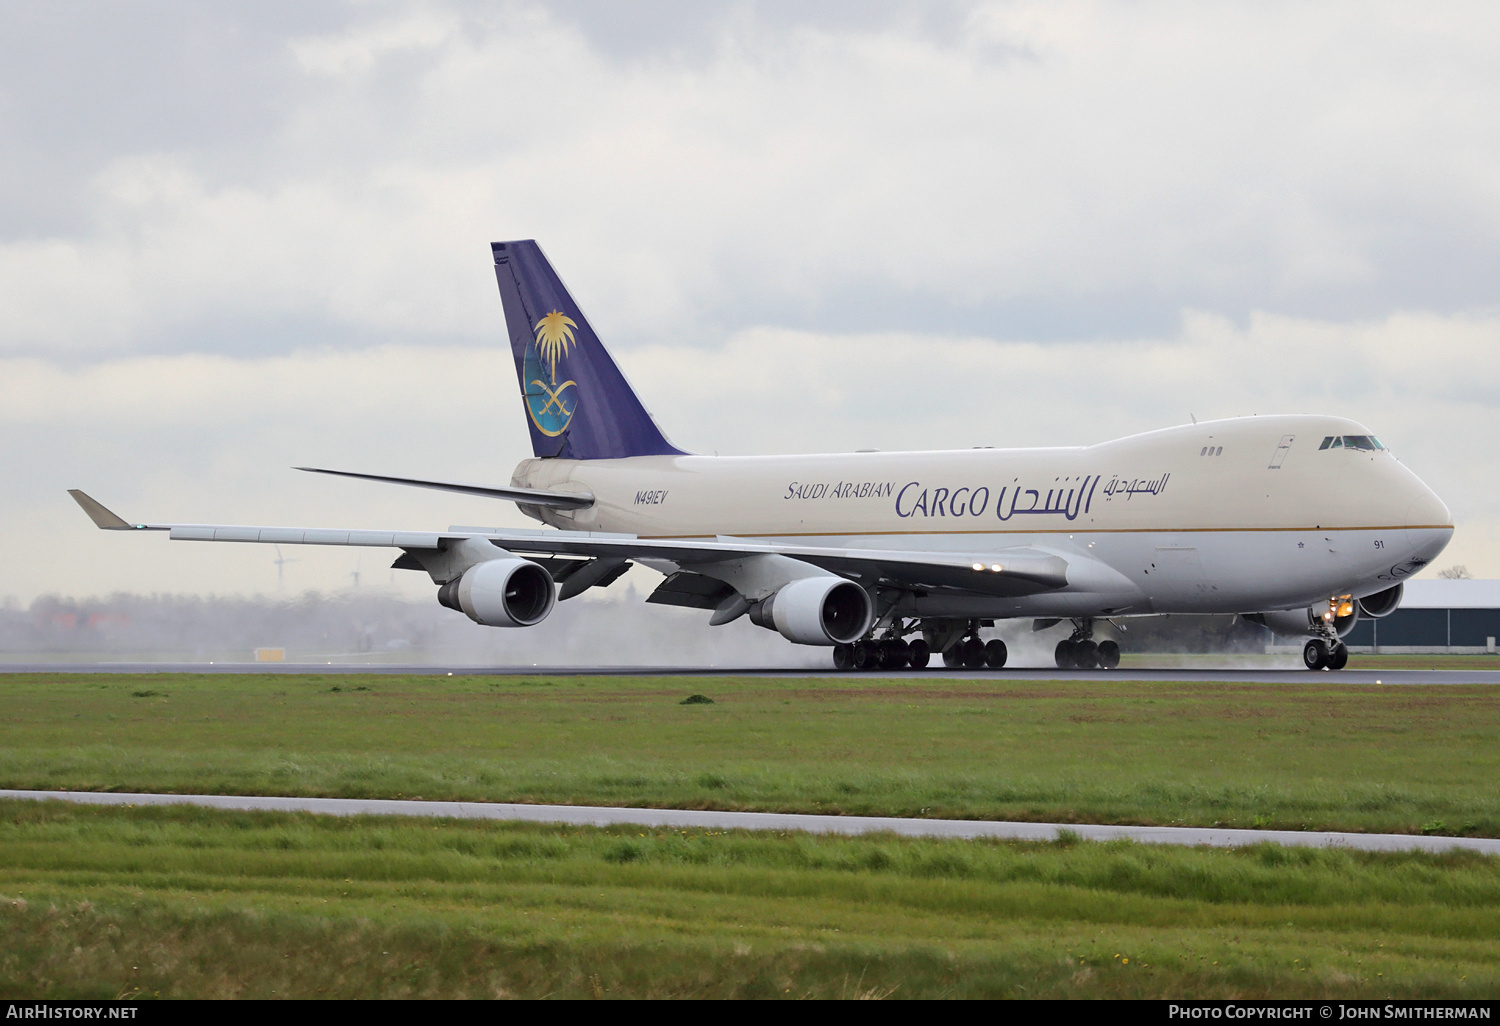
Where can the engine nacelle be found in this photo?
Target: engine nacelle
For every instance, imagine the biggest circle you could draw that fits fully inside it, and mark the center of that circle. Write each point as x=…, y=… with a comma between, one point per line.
x=817, y=611
x=1285, y=623
x=502, y=593
x=1300, y=623
x=1382, y=603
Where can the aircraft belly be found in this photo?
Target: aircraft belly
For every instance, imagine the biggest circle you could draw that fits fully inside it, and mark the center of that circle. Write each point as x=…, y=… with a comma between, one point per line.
x=1058, y=604
x=1167, y=572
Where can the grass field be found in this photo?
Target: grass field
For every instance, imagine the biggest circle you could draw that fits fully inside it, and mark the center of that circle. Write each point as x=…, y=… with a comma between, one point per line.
x=180, y=901
x=1313, y=753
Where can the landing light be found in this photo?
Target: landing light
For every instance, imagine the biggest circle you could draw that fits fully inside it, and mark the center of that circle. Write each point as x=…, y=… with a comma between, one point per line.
x=978, y=566
x=996, y=568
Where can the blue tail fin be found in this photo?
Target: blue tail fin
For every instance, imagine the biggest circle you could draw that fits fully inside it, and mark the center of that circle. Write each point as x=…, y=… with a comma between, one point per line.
x=578, y=404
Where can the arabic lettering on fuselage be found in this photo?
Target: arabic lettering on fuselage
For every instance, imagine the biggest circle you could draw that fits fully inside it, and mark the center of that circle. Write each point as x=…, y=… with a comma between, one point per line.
x=1068, y=496
x=1135, y=486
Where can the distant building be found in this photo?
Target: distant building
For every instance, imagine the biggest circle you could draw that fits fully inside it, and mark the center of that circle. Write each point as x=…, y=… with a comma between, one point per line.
x=1435, y=616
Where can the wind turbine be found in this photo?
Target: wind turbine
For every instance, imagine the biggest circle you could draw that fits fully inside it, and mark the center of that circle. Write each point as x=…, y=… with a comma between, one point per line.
x=281, y=562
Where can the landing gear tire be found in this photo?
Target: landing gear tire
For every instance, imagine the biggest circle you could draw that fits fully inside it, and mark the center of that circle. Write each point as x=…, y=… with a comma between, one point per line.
x=843, y=657
x=1064, y=654
x=1109, y=655
x=918, y=654
x=954, y=657
x=1339, y=657
x=973, y=651
x=1315, y=654
x=894, y=654
x=1085, y=655
x=995, y=654
x=866, y=655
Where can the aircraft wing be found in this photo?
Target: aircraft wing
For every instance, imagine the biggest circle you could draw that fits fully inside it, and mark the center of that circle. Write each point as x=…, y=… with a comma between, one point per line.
x=1006, y=572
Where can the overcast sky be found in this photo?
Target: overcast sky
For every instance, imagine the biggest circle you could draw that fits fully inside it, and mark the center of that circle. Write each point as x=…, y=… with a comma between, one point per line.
x=236, y=238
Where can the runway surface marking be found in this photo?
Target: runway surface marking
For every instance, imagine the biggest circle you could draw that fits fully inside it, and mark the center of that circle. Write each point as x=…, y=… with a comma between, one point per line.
x=1223, y=676
x=587, y=815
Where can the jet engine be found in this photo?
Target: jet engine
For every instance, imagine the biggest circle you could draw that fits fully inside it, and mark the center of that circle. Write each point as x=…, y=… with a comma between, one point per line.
x=502, y=593
x=817, y=611
x=1382, y=603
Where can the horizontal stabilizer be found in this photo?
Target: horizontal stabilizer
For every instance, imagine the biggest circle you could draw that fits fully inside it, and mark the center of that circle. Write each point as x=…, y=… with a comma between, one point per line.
x=102, y=517
x=530, y=496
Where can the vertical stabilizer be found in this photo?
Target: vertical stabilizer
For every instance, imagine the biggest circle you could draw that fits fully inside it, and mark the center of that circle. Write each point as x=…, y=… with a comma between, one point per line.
x=578, y=404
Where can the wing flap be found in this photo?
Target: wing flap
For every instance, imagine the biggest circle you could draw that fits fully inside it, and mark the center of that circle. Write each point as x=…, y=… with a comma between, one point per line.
x=691, y=591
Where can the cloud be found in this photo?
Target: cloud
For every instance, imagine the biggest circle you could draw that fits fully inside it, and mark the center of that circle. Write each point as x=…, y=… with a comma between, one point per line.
x=236, y=239
x=1031, y=171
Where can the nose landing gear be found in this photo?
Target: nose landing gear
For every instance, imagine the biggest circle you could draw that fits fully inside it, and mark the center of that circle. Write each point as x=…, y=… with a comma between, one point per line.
x=1325, y=654
x=1325, y=651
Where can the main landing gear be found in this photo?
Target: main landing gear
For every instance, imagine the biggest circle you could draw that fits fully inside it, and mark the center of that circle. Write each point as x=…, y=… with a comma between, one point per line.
x=1080, y=652
x=957, y=641
x=1325, y=654
x=974, y=654
x=882, y=654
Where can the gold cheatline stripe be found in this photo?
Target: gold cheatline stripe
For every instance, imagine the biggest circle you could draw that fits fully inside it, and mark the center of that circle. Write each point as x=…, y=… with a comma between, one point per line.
x=1076, y=530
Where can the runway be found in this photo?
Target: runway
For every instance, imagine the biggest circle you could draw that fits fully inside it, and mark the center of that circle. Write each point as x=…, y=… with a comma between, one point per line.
x=1206, y=674
x=584, y=815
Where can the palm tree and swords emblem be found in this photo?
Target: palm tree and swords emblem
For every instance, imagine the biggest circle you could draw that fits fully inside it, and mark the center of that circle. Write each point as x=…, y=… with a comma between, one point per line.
x=544, y=398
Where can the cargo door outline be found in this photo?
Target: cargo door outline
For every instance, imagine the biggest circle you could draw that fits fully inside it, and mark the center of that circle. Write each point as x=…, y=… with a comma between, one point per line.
x=1178, y=572
x=1281, y=451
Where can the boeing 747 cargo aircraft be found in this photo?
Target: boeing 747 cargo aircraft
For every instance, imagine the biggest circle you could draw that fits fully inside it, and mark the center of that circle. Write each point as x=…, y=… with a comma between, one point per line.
x=1300, y=523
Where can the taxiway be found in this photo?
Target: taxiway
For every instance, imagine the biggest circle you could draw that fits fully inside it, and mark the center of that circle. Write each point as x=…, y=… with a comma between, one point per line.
x=587, y=815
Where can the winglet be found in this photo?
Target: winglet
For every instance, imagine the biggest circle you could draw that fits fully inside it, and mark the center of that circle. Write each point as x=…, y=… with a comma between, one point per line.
x=101, y=517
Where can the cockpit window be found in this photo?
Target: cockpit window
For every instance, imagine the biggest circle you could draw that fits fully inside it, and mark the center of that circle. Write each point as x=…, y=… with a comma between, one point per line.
x=1368, y=443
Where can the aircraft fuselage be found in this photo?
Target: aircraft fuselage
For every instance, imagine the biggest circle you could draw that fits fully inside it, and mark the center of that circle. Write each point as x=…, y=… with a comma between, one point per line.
x=1219, y=517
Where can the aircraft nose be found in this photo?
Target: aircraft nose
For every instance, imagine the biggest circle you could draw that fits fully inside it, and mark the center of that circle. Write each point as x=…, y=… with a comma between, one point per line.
x=1429, y=524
